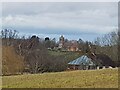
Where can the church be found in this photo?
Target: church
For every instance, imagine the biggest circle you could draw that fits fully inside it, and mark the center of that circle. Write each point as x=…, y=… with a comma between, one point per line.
x=71, y=45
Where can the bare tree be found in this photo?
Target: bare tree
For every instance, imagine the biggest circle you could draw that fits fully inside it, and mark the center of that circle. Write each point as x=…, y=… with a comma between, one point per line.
x=108, y=44
x=8, y=37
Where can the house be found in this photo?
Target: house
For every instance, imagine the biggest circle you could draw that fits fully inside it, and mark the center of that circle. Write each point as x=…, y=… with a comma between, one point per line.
x=72, y=45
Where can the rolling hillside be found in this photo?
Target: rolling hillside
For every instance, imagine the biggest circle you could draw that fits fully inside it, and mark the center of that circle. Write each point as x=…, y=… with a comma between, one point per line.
x=68, y=56
x=104, y=78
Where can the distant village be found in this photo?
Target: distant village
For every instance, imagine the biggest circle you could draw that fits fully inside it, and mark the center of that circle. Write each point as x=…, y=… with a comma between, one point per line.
x=69, y=45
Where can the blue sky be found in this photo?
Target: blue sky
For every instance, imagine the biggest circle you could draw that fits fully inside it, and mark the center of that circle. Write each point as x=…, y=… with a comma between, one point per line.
x=73, y=20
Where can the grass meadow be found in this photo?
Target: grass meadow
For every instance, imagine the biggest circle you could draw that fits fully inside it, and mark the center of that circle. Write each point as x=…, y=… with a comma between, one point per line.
x=104, y=78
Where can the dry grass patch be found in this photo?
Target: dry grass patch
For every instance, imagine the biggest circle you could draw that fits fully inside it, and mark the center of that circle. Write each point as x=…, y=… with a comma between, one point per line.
x=106, y=78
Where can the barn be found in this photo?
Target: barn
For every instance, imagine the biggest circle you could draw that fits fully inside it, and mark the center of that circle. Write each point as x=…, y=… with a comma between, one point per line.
x=82, y=63
x=105, y=60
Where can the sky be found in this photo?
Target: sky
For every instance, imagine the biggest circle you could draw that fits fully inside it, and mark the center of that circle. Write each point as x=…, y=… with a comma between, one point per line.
x=73, y=20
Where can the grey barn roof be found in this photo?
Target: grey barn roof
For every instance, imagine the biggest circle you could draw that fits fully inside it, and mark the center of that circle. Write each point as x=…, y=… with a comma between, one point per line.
x=83, y=60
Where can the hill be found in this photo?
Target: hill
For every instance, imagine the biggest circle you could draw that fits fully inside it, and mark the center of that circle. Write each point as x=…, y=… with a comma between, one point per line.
x=67, y=56
x=104, y=78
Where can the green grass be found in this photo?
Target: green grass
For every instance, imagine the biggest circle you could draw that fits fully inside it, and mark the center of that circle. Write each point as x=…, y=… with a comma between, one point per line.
x=68, y=56
x=59, y=53
x=105, y=78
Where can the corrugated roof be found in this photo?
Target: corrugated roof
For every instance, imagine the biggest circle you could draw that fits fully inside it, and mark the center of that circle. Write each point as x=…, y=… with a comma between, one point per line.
x=84, y=60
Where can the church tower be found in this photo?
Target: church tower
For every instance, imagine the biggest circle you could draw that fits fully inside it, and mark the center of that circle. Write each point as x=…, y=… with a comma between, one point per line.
x=61, y=42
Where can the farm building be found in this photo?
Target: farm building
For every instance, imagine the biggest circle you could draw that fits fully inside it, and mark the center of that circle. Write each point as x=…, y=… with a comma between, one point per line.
x=84, y=62
x=104, y=60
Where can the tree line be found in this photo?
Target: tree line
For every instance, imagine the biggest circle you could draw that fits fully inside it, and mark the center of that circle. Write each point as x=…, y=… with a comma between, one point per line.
x=34, y=54
x=33, y=51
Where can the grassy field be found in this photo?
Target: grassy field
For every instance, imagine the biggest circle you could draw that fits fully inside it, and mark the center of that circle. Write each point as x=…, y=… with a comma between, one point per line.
x=105, y=78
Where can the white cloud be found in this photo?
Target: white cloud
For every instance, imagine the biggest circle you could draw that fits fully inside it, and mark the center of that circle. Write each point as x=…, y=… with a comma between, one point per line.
x=72, y=17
